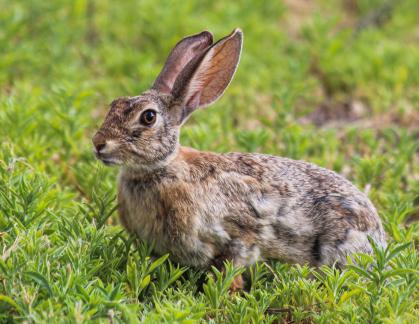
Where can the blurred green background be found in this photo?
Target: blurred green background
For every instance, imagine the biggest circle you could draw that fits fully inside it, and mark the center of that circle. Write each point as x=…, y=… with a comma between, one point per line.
x=332, y=82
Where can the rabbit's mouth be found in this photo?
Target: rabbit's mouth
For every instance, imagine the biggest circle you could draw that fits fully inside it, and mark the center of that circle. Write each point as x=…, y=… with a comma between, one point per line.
x=109, y=162
x=106, y=160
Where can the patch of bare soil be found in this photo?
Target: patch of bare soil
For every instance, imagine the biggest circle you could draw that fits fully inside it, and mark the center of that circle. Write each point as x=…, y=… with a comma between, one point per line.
x=337, y=112
x=299, y=12
x=356, y=113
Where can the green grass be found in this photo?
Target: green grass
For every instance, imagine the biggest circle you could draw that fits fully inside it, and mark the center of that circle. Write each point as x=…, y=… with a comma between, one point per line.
x=308, y=87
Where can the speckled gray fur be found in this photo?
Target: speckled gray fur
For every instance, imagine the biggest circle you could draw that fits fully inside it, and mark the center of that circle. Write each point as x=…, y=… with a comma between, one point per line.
x=203, y=207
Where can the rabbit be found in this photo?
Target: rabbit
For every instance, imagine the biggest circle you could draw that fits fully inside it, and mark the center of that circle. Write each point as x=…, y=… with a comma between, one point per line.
x=204, y=208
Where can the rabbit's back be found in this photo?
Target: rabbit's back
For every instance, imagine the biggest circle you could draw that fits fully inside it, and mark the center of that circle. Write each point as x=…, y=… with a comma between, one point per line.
x=318, y=216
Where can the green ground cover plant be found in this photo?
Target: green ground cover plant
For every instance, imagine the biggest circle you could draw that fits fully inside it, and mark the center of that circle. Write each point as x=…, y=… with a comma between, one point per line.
x=335, y=83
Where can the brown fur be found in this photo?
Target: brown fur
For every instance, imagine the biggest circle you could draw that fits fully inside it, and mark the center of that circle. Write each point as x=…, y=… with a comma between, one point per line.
x=203, y=207
x=237, y=285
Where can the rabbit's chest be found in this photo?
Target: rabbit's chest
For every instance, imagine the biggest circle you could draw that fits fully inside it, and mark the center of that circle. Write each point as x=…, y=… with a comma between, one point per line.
x=140, y=215
x=167, y=217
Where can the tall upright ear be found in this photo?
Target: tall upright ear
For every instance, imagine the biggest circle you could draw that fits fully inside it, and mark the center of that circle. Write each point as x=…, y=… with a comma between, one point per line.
x=181, y=54
x=207, y=76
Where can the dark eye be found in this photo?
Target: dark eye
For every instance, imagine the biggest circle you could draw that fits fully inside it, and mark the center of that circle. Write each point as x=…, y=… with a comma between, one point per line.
x=148, y=117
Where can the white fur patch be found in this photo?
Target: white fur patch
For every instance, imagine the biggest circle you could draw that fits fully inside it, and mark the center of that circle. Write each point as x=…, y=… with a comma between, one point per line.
x=298, y=221
x=111, y=146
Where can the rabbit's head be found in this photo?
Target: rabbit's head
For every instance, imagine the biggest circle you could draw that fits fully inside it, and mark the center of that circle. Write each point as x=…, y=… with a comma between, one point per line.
x=144, y=130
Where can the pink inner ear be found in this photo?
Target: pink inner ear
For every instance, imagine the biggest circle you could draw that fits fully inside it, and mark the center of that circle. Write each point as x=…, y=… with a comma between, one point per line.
x=193, y=102
x=213, y=73
x=180, y=56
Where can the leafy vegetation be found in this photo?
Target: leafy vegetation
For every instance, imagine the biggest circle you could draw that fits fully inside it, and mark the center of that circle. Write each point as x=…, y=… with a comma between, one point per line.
x=332, y=82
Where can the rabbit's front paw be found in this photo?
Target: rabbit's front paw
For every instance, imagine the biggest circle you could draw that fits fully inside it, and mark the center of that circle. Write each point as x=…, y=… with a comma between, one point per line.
x=237, y=285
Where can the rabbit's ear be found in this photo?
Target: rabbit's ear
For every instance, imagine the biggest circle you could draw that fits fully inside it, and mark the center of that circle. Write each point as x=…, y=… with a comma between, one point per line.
x=181, y=54
x=207, y=76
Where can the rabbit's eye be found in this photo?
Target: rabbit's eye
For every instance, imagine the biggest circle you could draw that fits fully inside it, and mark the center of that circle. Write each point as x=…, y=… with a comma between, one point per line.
x=148, y=117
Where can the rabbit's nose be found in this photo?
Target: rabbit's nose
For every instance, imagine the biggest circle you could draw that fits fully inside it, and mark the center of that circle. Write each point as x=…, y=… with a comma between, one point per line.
x=100, y=147
x=99, y=143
